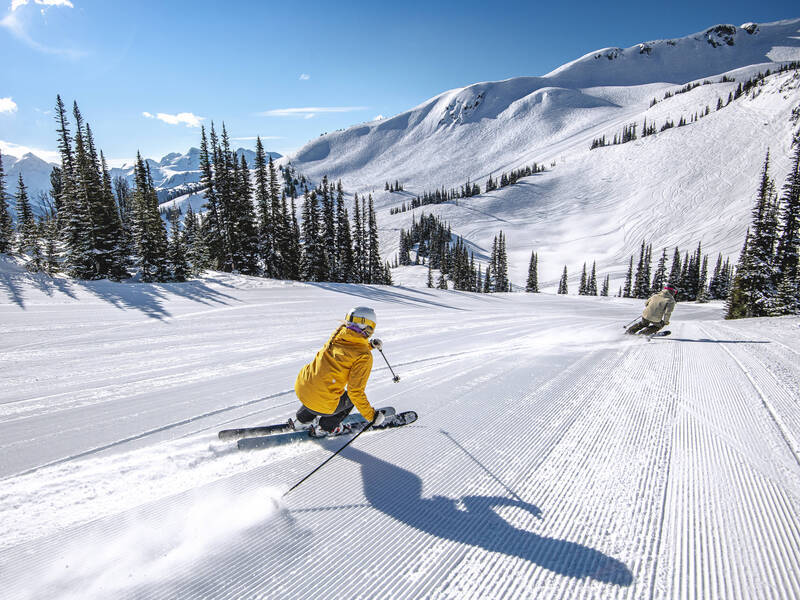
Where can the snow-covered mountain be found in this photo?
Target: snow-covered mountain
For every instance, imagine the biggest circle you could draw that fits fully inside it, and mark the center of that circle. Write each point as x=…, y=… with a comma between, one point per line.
x=35, y=174
x=170, y=174
x=678, y=187
x=176, y=171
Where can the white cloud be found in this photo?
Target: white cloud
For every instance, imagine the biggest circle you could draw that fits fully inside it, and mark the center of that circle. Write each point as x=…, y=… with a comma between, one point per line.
x=187, y=118
x=17, y=28
x=304, y=76
x=18, y=150
x=309, y=112
x=379, y=118
x=15, y=4
x=7, y=105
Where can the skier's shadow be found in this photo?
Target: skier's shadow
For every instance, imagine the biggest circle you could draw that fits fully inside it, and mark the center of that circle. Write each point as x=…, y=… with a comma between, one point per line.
x=398, y=493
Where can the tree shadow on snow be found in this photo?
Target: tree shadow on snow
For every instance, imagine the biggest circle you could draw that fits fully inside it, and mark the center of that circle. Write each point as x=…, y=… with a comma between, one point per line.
x=383, y=294
x=472, y=520
x=709, y=341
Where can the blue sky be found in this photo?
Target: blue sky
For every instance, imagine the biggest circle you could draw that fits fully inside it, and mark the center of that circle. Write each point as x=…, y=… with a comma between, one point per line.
x=147, y=73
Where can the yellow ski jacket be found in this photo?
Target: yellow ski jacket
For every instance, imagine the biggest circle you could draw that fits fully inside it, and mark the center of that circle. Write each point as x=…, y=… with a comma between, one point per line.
x=344, y=361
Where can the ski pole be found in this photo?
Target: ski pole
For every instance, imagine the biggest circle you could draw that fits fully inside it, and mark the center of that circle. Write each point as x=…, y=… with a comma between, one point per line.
x=631, y=323
x=327, y=460
x=395, y=378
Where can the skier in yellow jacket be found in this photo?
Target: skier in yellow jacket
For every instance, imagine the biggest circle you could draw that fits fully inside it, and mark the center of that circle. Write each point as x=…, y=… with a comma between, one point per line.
x=330, y=385
x=657, y=312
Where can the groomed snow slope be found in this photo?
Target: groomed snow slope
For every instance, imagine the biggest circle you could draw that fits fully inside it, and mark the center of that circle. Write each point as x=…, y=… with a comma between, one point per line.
x=553, y=458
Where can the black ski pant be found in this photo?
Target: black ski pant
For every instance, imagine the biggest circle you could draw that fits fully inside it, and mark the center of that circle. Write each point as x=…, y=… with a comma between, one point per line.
x=644, y=327
x=327, y=422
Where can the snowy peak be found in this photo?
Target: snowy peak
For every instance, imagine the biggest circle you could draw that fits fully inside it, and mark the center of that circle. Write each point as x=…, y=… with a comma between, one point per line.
x=716, y=50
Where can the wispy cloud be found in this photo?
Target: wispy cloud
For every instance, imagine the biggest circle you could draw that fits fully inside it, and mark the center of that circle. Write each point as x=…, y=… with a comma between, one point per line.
x=379, y=118
x=19, y=150
x=15, y=4
x=310, y=112
x=304, y=76
x=187, y=118
x=7, y=105
x=252, y=138
x=16, y=26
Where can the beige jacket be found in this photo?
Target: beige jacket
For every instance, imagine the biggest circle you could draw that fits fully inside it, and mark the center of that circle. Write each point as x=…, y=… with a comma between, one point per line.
x=659, y=307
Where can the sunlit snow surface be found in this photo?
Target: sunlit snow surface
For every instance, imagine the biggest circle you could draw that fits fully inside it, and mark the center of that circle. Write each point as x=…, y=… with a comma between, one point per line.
x=553, y=457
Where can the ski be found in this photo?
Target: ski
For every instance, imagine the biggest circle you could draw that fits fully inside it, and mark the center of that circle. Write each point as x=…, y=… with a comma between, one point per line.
x=272, y=441
x=659, y=334
x=277, y=428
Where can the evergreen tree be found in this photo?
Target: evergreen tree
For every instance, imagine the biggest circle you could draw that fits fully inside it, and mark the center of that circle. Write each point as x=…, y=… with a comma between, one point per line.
x=196, y=255
x=442, y=282
x=148, y=229
x=717, y=283
x=359, y=253
x=293, y=254
x=487, y=282
x=562, y=285
x=73, y=216
x=674, y=279
x=314, y=263
x=788, y=251
x=6, y=223
x=267, y=243
x=27, y=234
x=591, y=288
x=582, y=287
x=176, y=258
x=627, y=289
x=532, y=285
x=246, y=226
x=344, y=242
x=660, y=276
x=212, y=223
x=113, y=235
x=329, y=227
x=375, y=274
x=740, y=299
x=702, y=288
x=282, y=225
x=606, y=284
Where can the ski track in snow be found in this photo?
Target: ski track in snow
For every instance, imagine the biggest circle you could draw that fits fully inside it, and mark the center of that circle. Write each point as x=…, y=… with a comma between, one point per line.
x=553, y=457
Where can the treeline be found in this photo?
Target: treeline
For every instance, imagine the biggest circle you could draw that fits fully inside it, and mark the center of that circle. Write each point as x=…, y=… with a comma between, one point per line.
x=248, y=226
x=767, y=281
x=433, y=241
x=629, y=133
x=588, y=285
x=467, y=190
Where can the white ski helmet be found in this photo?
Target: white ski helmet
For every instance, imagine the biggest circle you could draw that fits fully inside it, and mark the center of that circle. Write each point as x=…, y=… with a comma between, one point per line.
x=362, y=317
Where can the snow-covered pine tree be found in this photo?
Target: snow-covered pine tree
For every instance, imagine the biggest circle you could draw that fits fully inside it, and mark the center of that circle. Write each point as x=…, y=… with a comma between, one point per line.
x=582, y=287
x=788, y=252
x=246, y=224
x=591, y=287
x=532, y=284
x=740, y=299
x=6, y=222
x=373, y=254
x=176, y=253
x=627, y=288
x=606, y=284
x=344, y=243
x=328, y=232
x=660, y=275
x=27, y=234
x=112, y=233
x=73, y=218
x=702, y=286
x=562, y=285
x=149, y=233
x=359, y=253
x=212, y=224
x=293, y=252
x=674, y=279
x=267, y=243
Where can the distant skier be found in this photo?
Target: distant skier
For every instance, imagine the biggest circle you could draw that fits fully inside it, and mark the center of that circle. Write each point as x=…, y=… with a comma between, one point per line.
x=331, y=384
x=657, y=312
